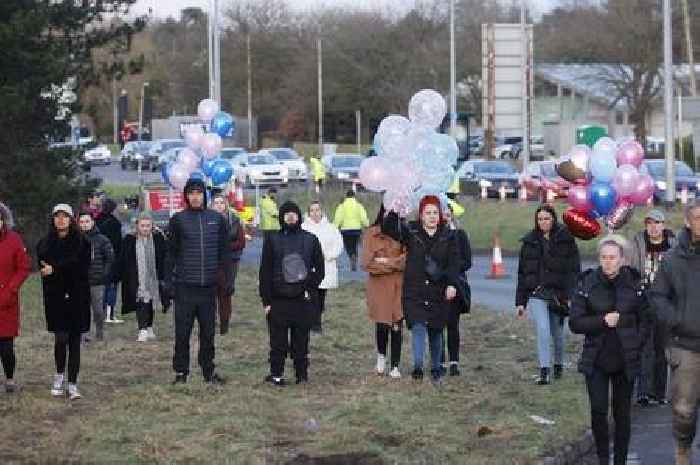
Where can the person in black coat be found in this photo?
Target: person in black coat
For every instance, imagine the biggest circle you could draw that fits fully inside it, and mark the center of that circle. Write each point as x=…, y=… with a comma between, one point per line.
x=611, y=310
x=547, y=269
x=430, y=279
x=111, y=227
x=291, y=269
x=64, y=261
x=462, y=304
x=142, y=287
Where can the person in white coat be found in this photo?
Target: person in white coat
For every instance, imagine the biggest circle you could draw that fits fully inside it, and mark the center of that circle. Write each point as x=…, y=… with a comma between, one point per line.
x=332, y=245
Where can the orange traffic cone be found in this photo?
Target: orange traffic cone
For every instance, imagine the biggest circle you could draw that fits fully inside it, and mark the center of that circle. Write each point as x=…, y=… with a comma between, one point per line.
x=498, y=271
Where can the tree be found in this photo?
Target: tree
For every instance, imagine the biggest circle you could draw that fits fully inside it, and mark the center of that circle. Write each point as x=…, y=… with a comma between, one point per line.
x=47, y=58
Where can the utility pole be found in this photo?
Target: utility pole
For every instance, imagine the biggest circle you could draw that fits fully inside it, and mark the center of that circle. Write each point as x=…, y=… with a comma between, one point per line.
x=453, y=72
x=250, y=95
x=668, y=107
x=689, y=48
x=319, y=46
x=525, y=74
x=217, y=54
x=358, y=129
x=143, y=96
x=115, y=112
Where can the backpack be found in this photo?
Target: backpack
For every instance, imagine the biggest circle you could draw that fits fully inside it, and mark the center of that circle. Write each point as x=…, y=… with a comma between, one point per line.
x=290, y=281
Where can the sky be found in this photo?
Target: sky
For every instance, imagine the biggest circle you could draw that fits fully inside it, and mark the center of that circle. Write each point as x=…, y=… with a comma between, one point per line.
x=165, y=8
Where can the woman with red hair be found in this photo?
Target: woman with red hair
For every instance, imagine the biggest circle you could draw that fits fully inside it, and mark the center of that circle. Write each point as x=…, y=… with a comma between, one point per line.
x=14, y=269
x=432, y=266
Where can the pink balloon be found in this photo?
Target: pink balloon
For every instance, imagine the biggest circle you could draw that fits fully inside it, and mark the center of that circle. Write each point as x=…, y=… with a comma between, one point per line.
x=579, y=199
x=643, y=190
x=625, y=180
x=178, y=175
x=580, y=155
x=373, y=174
x=194, y=136
x=211, y=145
x=207, y=108
x=630, y=153
x=189, y=159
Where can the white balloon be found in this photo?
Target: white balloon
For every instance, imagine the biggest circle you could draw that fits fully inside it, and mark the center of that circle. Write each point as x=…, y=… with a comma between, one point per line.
x=427, y=108
x=392, y=133
x=193, y=136
x=207, y=108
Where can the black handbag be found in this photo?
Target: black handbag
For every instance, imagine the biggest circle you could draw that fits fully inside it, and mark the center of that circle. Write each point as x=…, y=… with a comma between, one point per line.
x=554, y=303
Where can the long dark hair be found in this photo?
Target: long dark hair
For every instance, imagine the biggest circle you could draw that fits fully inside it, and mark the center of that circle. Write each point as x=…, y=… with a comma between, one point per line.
x=549, y=209
x=74, y=233
x=380, y=215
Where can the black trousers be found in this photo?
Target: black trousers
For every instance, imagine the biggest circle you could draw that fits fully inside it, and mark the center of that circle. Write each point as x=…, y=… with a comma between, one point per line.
x=383, y=331
x=67, y=345
x=288, y=334
x=351, y=238
x=191, y=304
x=144, y=314
x=598, y=384
x=652, y=379
x=7, y=356
x=321, y=307
x=452, y=335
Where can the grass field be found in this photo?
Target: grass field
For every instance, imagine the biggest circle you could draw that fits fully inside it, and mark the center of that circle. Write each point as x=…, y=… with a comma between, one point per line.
x=130, y=413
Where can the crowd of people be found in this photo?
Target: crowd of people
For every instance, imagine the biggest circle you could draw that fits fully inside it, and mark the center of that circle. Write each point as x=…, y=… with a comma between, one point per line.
x=637, y=309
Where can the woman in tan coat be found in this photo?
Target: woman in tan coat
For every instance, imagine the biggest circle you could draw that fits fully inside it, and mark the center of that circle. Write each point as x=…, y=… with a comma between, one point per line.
x=384, y=259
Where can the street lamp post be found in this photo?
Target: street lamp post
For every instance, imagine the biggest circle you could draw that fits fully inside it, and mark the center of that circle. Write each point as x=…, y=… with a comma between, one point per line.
x=143, y=97
x=319, y=46
x=525, y=88
x=453, y=71
x=668, y=107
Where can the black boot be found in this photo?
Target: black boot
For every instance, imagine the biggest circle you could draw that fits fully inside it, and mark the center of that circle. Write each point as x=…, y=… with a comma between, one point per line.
x=417, y=374
x=558, y=371
x=544, y=377
x=353, y=262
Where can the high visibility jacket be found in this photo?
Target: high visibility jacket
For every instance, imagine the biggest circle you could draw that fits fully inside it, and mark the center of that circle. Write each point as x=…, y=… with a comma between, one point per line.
x=454, y=187
x=269, y=214
x=350, y=215
x=457, y=209
x=318, y=170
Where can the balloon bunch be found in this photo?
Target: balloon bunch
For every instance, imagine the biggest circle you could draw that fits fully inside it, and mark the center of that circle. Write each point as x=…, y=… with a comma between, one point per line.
x=606, y=183
x=200, y=159
x=413, y=160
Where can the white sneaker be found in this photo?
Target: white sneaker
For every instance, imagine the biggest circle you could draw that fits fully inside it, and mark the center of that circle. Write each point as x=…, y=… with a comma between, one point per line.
x=117, y=320
x=381, y=364
x=395, y=373
x=57, y=389
x=143, y=335
x=108, y=318
x=150, y=334
x=73, y=393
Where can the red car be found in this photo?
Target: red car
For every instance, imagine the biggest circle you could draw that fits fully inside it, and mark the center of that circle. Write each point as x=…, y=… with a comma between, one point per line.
x=540, y=177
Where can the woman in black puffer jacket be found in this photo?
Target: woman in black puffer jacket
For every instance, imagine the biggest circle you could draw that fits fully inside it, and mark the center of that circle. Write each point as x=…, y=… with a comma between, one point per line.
x=547, y=270
x=610, y=308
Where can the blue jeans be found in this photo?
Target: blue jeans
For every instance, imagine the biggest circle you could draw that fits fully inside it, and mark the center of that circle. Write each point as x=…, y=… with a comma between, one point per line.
x=110, y=297
x=419, y=331
x=549, y=327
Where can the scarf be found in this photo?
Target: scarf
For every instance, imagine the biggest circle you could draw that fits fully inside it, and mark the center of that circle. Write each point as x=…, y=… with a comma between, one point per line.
x=147, y=273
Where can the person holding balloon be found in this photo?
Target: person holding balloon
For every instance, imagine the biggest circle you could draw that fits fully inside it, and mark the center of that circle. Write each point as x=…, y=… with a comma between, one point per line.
x=430, y=279
x=547, y=268
x=610, y=308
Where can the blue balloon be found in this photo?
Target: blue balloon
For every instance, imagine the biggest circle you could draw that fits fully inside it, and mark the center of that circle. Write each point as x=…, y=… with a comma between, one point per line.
x=208, y=166
x=223, y=124
x=603, y=197
x=603, y=166
x=222, y=172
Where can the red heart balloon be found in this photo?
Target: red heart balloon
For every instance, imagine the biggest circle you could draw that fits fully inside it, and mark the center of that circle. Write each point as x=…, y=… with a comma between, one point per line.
x=581, y=224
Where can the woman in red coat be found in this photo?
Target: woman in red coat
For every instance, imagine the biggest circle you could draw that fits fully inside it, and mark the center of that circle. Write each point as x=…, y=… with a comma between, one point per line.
x=14, y=269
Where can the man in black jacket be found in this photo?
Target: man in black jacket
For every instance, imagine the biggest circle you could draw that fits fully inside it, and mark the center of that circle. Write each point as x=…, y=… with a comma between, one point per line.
x=111, y=227
x=291, y=269
x=198, y=249
x=100, y=271
x=675, y=297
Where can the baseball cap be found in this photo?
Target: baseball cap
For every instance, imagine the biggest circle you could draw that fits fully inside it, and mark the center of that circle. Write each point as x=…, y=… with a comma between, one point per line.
x=656, y=215
x=63, y=207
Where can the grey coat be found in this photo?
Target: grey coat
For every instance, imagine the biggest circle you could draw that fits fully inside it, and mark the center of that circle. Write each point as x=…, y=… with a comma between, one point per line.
x=639, y=248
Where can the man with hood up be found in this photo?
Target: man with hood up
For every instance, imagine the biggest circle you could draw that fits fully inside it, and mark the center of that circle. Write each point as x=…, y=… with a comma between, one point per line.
x=291, y=270
x=198, y=249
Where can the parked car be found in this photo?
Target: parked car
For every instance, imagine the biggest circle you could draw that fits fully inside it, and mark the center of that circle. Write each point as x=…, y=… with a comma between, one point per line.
x=97, y=154
x=168, y=156
x=536, y=148
x=491, y=174
x=133, y=152
x=505, y=147
x=344, y=167
x=229, y=153
x=152, y=160
x=298, y=171
x=540, y=177
x=684, y=178
x=260, y=169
